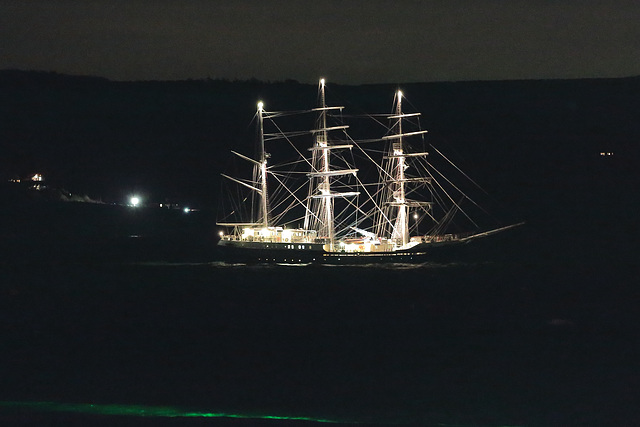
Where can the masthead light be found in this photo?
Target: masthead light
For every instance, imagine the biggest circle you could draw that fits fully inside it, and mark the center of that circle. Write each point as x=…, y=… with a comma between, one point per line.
x=322, y=82
x=260, y=105
x=399, y=94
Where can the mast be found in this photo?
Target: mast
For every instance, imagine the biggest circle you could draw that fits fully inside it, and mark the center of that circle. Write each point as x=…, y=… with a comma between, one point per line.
x=321, y=204
x=259, y=180
x=264, y=208
x=322, y=174
x=396, y=181
x=325, y=189
x=401, y=227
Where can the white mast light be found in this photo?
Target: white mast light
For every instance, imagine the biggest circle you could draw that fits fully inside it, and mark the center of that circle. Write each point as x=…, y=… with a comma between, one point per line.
x=260, y=105
x=322, y=82
x=399, y=94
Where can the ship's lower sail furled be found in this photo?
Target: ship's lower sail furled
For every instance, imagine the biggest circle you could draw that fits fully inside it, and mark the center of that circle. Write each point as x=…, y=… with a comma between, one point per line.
x=342, y=200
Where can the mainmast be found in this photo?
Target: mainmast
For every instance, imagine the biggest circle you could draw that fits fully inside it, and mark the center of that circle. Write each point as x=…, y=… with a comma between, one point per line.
x=320, y=205
x=325, y=188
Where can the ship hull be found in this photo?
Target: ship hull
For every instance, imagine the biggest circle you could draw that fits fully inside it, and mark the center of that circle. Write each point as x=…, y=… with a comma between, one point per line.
x=279, y=253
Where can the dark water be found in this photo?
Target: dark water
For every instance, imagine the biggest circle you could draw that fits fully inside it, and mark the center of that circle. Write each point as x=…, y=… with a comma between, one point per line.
x=503, y=342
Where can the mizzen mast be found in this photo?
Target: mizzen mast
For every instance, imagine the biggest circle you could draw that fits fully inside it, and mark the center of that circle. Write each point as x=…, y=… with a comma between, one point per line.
x=264, y=199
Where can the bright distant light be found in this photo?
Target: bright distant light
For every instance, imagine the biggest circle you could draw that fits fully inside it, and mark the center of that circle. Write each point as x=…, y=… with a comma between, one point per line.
x=322, y=82
x=221, y=233
x=260, y=105
x=134, y=201
x=186, y=210
x=415, y=216
x=399, y=94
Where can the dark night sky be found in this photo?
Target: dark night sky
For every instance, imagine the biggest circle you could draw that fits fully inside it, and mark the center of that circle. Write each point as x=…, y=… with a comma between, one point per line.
x=358, y=41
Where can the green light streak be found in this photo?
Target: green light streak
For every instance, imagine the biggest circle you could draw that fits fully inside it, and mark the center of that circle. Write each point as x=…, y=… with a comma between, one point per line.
x=145, y=411
x=173, y=412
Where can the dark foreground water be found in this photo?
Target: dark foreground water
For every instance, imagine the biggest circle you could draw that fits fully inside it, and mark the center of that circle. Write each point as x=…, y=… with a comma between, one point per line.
x=503, y=342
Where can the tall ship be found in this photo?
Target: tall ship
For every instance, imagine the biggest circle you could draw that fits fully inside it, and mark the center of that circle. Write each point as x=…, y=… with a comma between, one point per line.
x=340, y=200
